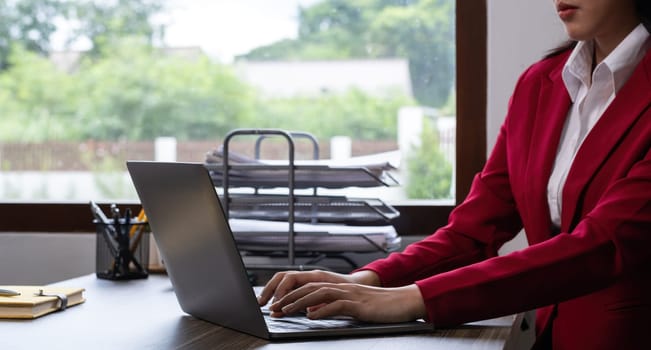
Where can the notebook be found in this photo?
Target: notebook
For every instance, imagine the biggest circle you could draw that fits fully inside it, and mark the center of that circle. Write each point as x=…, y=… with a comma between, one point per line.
x=205, y=266
x=36, y=301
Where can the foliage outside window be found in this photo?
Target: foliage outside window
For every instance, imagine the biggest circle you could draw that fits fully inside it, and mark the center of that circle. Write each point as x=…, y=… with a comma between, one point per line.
x=430, y=174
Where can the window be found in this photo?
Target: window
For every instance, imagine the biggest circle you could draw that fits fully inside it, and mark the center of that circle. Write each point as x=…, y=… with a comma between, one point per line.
x=325, y=29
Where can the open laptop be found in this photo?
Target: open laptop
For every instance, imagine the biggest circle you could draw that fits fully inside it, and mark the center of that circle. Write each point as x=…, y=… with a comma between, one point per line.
x=205, y=266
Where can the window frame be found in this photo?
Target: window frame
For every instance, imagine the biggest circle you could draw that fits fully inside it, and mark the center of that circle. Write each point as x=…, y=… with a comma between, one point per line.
x=417, y=219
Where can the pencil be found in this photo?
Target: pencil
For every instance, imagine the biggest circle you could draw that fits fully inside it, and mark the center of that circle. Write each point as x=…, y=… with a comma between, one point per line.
x=142, y=218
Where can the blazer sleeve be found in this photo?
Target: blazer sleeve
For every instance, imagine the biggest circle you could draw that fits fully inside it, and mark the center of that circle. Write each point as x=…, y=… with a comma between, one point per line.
x=610, y=242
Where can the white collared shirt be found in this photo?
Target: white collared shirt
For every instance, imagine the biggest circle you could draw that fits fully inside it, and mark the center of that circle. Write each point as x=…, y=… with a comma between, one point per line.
x=591, y=94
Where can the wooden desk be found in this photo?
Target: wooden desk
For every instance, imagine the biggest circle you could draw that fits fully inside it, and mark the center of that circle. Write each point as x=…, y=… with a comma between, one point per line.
x=144, y=314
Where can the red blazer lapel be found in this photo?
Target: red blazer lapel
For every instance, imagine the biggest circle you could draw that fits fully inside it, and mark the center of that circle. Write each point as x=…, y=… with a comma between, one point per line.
x=628, y=105
x=553, y=104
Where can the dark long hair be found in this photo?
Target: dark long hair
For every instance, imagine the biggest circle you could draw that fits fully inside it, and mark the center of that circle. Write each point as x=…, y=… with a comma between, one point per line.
x=643, y=8
x=644, y=11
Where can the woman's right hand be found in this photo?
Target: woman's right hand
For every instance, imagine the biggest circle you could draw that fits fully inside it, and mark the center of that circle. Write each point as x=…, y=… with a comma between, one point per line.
x=284, y=282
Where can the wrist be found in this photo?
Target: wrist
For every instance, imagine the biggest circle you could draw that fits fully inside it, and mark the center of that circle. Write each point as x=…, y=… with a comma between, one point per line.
x=414, y=302
x=366, y=277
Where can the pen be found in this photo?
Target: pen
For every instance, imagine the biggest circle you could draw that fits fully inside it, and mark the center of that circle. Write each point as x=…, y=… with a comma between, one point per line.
x=99, y=215
x=127, y=222
x=8, y=293
x=115, y=213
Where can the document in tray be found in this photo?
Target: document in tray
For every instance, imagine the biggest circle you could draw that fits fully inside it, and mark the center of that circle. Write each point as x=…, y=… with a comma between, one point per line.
x=379, y=161
x=261, y=235
x=366, y=171
x=306, y=176
x=313, y=209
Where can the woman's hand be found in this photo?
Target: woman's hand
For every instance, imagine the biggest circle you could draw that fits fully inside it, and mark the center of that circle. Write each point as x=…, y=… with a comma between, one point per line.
x=365, y=303
x=284, y=282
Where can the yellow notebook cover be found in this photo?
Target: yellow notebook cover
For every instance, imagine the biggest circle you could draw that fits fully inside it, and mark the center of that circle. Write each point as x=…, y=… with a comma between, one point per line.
x=30, y=305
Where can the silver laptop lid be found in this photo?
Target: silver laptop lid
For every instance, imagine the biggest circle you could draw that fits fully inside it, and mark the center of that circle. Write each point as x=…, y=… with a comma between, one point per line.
x=188, y=224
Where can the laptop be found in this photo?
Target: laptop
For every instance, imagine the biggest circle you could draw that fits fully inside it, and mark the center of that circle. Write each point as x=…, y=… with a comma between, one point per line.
x=204, y=265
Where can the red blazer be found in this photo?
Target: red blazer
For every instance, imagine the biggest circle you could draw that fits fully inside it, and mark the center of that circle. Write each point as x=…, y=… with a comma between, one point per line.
x=591, y=282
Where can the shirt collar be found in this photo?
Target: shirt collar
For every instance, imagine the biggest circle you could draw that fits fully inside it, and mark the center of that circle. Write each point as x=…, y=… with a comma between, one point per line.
x=578, y=67
x=620, y=63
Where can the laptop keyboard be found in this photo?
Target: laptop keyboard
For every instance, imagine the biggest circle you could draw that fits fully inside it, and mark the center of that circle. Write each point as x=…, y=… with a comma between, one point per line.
x=289, y=323
x=303, y=323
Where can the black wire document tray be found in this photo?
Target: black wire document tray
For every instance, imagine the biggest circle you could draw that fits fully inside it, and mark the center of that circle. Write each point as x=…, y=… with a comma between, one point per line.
x=265, y=236
x=275, y=220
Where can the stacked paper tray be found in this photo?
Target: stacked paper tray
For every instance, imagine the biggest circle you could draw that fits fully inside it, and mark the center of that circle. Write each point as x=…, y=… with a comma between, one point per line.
x=266, y=236
x=268, y=216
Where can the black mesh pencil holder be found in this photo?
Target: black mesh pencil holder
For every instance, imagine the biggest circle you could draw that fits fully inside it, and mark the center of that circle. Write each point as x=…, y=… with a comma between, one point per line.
x=122, y=249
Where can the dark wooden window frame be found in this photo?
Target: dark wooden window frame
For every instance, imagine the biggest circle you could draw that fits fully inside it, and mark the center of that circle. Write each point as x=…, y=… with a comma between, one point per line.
x=414, y=219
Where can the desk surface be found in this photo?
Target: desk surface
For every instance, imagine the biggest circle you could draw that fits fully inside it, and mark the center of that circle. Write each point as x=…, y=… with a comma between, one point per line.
x=144, y=314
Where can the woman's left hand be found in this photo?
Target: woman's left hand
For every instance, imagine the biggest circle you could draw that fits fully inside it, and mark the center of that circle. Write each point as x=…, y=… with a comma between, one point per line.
x=365, y=303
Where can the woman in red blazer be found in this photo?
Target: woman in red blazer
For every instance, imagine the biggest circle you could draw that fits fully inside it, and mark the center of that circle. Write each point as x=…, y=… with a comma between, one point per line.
x=572, y=166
